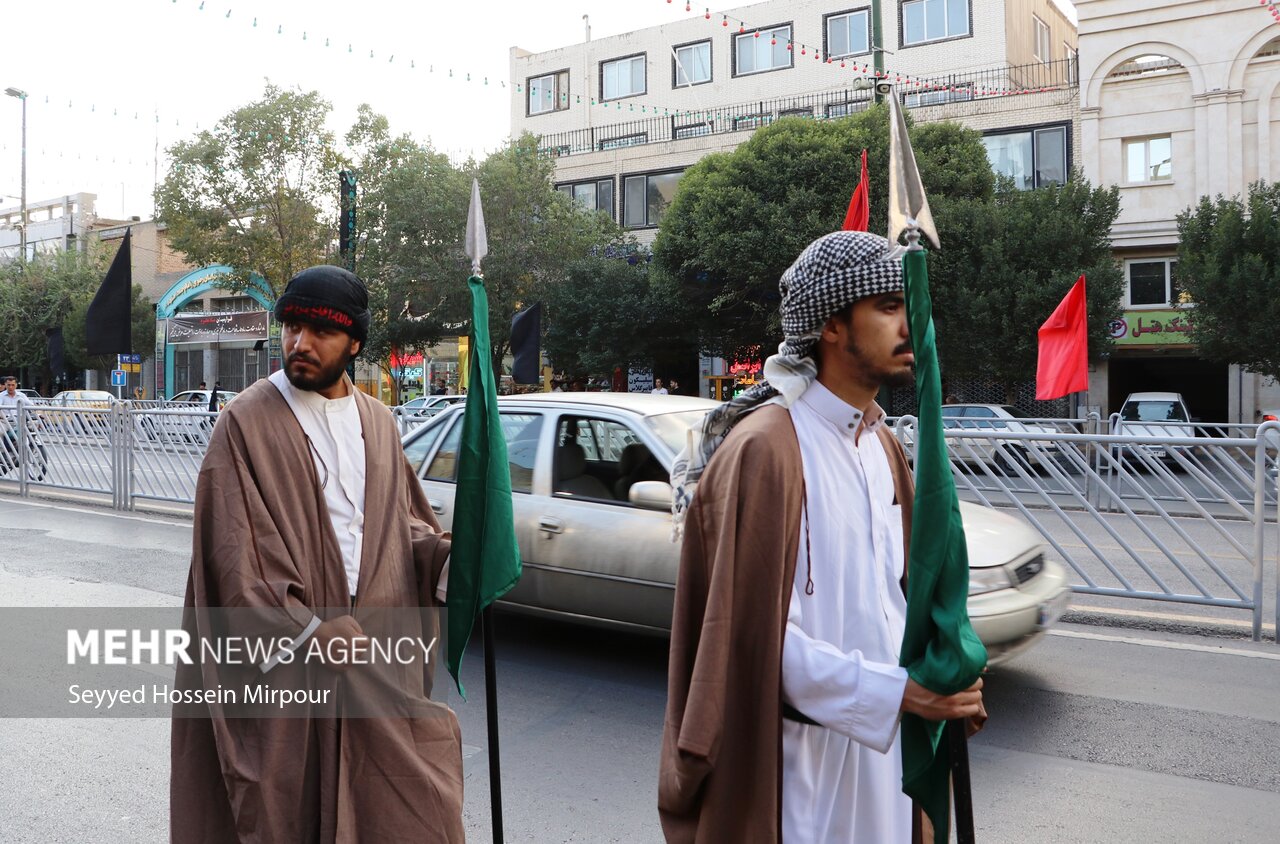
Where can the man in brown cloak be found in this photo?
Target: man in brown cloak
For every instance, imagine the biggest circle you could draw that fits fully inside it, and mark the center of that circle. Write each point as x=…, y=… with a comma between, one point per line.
x=784, y=690
x=307, y=512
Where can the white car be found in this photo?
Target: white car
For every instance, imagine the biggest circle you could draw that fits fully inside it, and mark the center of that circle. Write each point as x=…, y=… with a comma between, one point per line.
x=590, y=475
x=1155, y=415
x=426, y=406
x=995, y=417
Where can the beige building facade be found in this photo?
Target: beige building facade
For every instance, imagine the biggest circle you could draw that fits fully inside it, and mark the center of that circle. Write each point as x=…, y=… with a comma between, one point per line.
x=1178, y=101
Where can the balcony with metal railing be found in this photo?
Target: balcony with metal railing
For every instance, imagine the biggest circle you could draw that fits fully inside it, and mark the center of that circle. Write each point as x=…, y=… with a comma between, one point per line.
x=915, y=92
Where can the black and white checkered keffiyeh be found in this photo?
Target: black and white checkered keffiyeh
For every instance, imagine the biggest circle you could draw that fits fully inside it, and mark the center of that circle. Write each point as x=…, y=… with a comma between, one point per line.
x=832, y=272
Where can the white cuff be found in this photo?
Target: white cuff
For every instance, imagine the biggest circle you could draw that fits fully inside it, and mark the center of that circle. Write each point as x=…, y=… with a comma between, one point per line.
x=291, y=646
x=442, y=585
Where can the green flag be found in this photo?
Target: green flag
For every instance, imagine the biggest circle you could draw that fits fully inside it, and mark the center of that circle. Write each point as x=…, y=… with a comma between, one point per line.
x=484, y=562
x=939, y=648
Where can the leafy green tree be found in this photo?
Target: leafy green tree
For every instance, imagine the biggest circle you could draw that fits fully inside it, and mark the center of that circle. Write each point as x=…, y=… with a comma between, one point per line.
x=740, y=218
x=535, y=233
x=256, y=191
x=412, y=205
x=53, y=291
x=1229, y=266
x=1006, y=263
x=608, y=312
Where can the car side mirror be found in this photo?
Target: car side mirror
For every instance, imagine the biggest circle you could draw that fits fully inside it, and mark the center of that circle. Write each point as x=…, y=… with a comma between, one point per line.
x=650, y=495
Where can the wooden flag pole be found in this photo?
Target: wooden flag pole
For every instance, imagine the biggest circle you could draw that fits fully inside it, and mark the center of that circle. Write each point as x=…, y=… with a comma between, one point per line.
x=491, y=710
x=960, y=786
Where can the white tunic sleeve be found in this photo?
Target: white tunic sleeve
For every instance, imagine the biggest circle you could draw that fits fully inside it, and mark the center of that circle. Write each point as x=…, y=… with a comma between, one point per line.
x=844, y=692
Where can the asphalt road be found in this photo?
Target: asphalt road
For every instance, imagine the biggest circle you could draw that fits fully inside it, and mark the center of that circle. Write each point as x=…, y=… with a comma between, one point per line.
x=1096, y=734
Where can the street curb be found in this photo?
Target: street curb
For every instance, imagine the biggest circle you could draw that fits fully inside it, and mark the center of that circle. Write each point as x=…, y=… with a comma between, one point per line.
x=1168, y=624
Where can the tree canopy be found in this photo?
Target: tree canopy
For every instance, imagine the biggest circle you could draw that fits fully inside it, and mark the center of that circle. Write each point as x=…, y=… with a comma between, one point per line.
x=1229, y=267
x=256, y=191
x=740, y=218
x=1006, y=263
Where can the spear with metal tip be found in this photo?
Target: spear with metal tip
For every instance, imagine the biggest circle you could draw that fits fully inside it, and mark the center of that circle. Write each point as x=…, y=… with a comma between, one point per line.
x=939, y=648
x=484, y=561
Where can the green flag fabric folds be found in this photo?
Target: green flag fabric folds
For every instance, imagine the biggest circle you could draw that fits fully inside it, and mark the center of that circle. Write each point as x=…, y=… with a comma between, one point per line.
x=939, y=648
x=484, y=561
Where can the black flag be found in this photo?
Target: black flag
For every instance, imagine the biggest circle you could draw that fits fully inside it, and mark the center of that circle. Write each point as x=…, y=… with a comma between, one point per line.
x=107, y=323
x=526, y=336
x=53, y=343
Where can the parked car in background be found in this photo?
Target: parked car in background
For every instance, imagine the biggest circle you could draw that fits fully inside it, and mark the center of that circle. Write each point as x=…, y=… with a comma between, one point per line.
x=996, y=417
x=183, y=419
x=194, y=399
x=590, y=476
x=83, y=398
x=36, y=398
x=91, y=424
x=1155, y=415
x=426, y=406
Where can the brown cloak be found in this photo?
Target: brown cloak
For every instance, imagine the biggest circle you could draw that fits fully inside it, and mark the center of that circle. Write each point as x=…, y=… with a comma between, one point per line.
x=263, y=538
x=720, y=775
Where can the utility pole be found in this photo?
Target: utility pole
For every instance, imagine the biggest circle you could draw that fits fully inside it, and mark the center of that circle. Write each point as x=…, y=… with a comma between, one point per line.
x=22, y=230
x=877, y=46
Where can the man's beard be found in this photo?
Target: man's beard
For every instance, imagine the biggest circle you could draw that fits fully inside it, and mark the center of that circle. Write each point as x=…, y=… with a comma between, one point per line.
x=324, y=378
x=880, y=376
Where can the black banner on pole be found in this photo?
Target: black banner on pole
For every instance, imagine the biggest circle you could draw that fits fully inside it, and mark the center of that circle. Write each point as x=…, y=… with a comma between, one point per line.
x=107, y=322
x=526, y=337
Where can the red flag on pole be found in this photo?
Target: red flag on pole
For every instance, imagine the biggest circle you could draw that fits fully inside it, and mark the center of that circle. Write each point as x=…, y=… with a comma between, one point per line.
x=859, y=213
x=1064, y=347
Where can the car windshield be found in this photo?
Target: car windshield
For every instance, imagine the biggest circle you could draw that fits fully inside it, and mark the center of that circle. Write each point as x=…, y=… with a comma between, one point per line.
x=1153, y=411
x=673, y=428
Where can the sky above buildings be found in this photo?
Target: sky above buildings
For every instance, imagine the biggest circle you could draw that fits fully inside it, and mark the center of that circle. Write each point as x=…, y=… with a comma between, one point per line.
x=111, y=85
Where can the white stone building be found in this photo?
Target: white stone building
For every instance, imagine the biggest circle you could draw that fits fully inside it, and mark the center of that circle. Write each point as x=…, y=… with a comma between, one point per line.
x=53, y=225
x=1177, y=101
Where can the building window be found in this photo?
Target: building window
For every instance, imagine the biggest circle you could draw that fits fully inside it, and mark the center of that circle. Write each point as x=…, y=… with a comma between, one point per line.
x=594, y=195
x=548, y=93
x=1033, y=158
x=1041, y=48
x=747, y=122
x=1150, y=282
x=622, y=77
x=958, y=93
x=845, y=109
x=1073, y=63
x=762, y=50
x=646, y=198
x=621, y=141
x=691, y=64
x=1148, y=159
x=848, y=33
x=694, y=130
x=933, y=20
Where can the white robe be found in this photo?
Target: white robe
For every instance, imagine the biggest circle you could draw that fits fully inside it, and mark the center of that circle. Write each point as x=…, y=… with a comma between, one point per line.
x=843, y=781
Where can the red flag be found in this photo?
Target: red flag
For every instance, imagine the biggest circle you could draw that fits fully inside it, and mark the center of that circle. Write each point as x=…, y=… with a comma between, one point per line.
x=1064, y=347
x=859, y=213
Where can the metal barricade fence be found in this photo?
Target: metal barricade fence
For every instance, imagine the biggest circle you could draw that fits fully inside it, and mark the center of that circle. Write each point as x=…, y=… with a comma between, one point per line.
x=1158, y=518
x=164, y=451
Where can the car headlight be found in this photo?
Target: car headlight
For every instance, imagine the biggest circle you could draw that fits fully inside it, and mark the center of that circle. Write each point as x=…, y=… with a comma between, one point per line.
x=986, y=580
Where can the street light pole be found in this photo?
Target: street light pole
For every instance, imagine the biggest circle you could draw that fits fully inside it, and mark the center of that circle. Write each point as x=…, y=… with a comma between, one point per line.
x=22, y=230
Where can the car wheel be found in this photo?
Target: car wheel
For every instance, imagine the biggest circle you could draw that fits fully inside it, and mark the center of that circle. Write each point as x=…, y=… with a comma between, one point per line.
x=1010, y=458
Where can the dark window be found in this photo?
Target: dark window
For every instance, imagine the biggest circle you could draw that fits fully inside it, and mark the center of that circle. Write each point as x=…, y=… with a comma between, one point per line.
x=595, y=195
x=1150, y=282
x=646, y=198
x=1033, y=158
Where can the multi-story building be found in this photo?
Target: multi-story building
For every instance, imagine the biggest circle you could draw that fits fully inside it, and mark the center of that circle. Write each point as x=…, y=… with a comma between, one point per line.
x=627, y=114
x=58, y=225
x=1178, y=101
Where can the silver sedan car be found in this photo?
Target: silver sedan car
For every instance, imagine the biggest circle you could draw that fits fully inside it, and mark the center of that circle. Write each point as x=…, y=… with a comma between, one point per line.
x=590, y=475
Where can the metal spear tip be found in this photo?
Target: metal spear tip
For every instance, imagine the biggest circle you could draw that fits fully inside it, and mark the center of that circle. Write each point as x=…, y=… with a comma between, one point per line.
x=908, y=205
x=477, y=238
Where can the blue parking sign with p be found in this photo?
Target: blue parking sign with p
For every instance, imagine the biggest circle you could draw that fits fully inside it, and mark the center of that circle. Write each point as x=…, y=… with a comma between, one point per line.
x=118, y=378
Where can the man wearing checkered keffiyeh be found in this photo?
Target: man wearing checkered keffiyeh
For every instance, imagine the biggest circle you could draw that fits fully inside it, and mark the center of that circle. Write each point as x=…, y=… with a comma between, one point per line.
x=793, y=501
